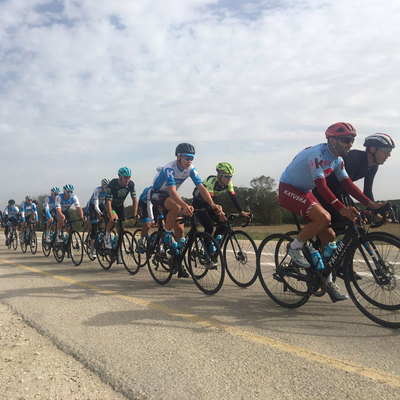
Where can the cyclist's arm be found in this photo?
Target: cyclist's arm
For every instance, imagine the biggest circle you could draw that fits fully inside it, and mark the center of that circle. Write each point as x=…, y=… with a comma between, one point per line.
x=80, y=211
x=368, y=182
x=135, y=206
x=208, y=199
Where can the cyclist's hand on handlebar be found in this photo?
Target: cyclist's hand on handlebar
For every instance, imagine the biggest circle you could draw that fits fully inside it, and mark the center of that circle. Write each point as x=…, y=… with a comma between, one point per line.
x=349, y=212
x=245, y=214
x=375, y=205
x=187, y=210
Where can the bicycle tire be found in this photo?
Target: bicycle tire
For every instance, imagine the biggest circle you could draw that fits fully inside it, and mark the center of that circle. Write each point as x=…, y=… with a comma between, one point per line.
x=14, y=240
x=206, y=266
x=282, y=281
x=130, y=257
x=33, y=242
x=9, y=239
x=75, y=247
x=87, y=245
x=46, y=246
x=22, y=242
x=59, y=252
x=372, y=271
x=158, y=261
x=240, y=256
x=142, y=256
x=103, y=254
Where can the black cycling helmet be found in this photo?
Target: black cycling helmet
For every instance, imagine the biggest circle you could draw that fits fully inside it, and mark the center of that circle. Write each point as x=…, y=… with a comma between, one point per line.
x=185, y=148
x=11, y=202
x=379, y=140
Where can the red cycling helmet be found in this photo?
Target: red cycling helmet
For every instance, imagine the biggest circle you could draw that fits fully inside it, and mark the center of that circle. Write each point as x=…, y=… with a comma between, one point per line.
x=340, y=129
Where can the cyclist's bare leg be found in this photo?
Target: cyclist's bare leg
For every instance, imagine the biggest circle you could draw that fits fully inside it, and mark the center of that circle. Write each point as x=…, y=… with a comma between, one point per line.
x=173, y=212
x=319, y=225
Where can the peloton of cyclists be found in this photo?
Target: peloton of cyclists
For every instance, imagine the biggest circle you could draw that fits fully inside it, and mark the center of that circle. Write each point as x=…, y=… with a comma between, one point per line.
x=118, y=190
x=63, y=203
x=49, y=211
x=309, y=169
x=164, y=193
x=28, y=213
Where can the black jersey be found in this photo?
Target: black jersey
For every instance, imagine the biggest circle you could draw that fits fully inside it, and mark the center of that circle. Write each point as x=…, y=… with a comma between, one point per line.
x=356, y=164
x=117, y=193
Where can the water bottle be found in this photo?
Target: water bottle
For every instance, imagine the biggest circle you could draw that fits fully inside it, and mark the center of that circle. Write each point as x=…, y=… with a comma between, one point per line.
x=218, y=238
x=181, y=243
x=175, y=248
x=316, y=258
x=329, y=250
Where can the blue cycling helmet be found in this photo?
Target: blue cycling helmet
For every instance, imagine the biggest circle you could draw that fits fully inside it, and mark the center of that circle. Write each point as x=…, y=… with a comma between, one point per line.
x=68, y=188
x=124, y=171
x=11, y=202
x=55, y=189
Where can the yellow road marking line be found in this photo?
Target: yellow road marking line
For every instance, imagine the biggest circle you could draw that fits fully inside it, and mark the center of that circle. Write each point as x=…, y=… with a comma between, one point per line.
x=347, y=366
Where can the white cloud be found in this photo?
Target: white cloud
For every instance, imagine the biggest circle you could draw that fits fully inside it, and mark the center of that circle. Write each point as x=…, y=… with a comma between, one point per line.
x=97, y=84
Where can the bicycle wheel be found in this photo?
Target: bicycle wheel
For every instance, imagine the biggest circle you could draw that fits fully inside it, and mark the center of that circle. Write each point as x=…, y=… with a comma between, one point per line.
x=240, y=255
x=9, y=239
x=46, y=246
x=158, y=260
x=87, y=245
x=22, y=241
x=59, y=251
x=141, y=250
x=75, y=247
x=372, y=277
x=103, y=254
x=284, y=282
x=14, y=240
x=33, y=242
x=206, y=263
x=129, y=254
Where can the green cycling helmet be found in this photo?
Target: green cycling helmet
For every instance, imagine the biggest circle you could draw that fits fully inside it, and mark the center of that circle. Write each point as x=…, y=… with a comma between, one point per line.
x=124, y=171
x=225, y=168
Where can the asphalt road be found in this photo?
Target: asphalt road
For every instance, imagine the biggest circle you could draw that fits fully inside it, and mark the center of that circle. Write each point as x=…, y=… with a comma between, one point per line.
x=173, y=342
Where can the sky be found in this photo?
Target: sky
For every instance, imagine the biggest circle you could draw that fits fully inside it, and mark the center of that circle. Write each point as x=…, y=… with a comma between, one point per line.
x=89, y=86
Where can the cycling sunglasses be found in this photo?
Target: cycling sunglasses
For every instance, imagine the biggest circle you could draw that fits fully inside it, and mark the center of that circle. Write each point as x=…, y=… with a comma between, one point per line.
x=187, y=157
x=346, y=139
x=227, y=176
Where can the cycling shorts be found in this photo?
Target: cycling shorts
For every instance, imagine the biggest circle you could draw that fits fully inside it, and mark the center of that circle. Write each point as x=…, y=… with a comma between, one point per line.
x=296, y=200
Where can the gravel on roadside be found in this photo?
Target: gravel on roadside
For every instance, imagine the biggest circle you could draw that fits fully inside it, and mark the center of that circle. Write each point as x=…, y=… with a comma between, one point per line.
x=32, y=367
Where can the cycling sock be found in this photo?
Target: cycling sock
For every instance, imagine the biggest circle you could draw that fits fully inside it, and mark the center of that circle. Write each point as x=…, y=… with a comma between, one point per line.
x=108, y=235
x=296, y=244
x=329, y=278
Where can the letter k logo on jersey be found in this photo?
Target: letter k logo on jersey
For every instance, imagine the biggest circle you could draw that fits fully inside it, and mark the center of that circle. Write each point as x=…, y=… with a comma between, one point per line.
x=318, y=163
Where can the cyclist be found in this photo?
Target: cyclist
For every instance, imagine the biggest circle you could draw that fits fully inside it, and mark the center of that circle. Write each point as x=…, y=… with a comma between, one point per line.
x=28, y=211
x=49, y=211
x=95, y=209
x=10, y=216
x=118, y=190
x=146, y=212
x=217, y=185
x=308, y=170
x=360, y=164
x=164, y=193
x=63, y=203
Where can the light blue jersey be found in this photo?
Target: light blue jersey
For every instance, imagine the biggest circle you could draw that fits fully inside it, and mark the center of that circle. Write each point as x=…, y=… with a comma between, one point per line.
x=172, y=175
x=48, y=205
x=65, y=204
x=27, y=210
x=313, y=163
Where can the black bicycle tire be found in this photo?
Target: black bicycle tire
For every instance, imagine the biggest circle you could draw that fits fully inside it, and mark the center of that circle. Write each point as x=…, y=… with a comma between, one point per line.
x=33, y=238
x=231, y=271
x=46, y=246
x=206, y=281
x=75, y=247
x=159, y=270
x=9, y=239
x=59, y=252
x=86, y=245
x=129, y=252
x=22, y=242
x=15, y=240
x=302, y=295
x=376, y=311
